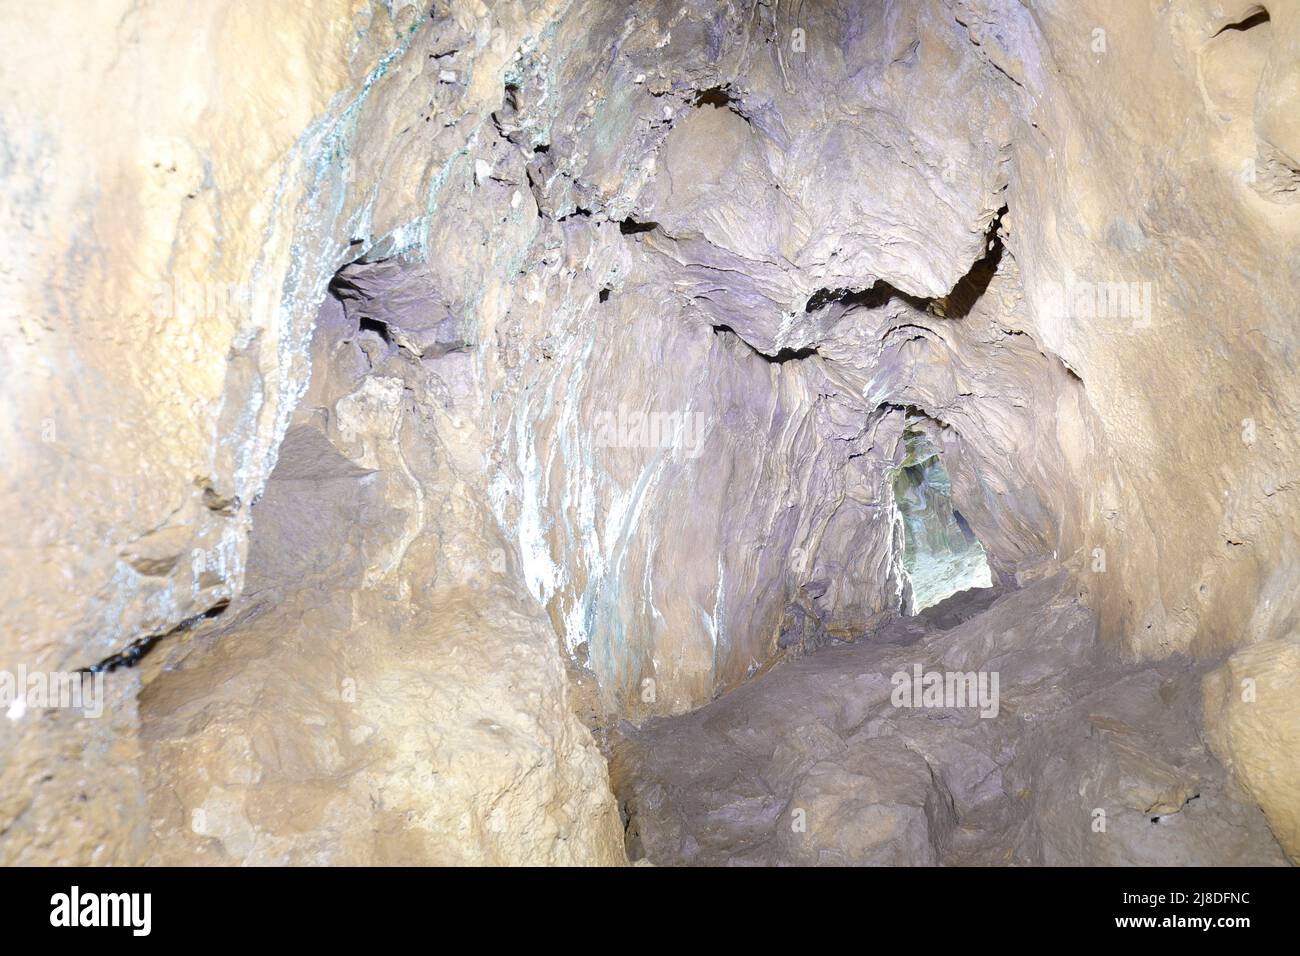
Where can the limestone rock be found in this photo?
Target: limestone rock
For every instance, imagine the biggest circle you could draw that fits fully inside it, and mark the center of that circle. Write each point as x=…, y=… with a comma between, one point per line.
x=517, y=360
x=1253, y=723
x=1090, y=763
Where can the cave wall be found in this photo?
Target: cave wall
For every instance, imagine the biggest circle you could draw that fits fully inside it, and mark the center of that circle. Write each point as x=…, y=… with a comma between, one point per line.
x=181, y=194
x=760, y=226
x=715, y=183
x=1187, y=486
x=165, y=194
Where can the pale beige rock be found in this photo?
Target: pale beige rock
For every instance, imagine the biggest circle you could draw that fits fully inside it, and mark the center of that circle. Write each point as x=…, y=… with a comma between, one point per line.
x=150, y=184
x=174, y=203
x=787, y=254
x=1195, y=397
x=1253, y=723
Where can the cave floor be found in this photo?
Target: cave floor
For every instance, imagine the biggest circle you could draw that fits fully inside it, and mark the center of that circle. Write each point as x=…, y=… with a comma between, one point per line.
x=1087, y=761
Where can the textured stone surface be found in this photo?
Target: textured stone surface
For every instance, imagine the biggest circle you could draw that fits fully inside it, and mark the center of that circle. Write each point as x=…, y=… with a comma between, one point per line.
x=157, y=257
x=1254, y=726
x=627, y=309
x=381, y=693
x=167, y=256
x=814, y=762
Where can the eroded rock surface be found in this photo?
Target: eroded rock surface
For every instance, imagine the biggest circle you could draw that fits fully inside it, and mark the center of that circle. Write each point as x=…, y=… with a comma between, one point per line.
x=1081, y=762
x=587, y=339
x=379, y=694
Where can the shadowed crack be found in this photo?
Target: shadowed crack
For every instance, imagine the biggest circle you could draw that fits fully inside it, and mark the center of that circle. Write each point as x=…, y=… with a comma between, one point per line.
x=957, y=304
x=134, y=652
x=777, y=358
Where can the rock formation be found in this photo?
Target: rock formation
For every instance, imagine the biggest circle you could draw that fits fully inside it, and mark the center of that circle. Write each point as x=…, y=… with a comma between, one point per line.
x=488, y=428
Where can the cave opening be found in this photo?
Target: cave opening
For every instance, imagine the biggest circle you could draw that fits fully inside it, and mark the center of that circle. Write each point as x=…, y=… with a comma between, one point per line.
x=941, y=554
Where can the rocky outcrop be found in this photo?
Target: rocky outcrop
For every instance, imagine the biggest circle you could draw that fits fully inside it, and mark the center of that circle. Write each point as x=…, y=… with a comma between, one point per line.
x=174, y=265
x=379, y=694
x=1067, y=760
x=1253, y=726
x=160, y=285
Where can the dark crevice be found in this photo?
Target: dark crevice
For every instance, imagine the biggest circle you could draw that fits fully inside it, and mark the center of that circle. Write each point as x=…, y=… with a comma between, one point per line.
x=984, y=55
x=1257, y=18
x=910, y=412
x=972, y=286
x=506, y=121
x=719, y=97
x=631, y=227
x=604, y=294
x=921, y=330
x=879, y=294
x=824, y=297
x=777, y=358
x=956, y=304
x=134, y=652
x=503, y=118
x=381, y=329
